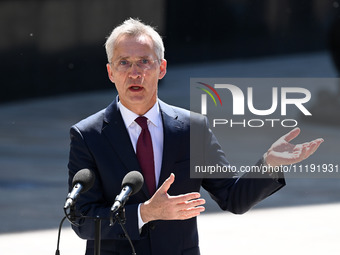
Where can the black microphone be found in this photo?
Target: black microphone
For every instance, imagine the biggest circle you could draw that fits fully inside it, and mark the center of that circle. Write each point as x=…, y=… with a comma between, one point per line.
x=82, y=181
x=131, y=184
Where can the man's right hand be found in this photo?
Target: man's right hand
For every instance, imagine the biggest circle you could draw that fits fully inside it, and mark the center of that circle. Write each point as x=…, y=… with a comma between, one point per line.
x=162, y=206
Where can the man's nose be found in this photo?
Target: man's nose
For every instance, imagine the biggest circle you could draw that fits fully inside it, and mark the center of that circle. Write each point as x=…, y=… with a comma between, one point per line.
x=135, y=71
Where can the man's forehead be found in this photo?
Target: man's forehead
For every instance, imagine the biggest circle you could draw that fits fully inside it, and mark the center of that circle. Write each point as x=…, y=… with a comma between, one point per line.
x=133, y=46
x=126, y=39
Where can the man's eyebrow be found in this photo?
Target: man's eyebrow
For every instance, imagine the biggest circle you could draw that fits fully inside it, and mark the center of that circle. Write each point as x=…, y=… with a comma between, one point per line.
x=122, y=57
x=139, y=57
x=119, y=59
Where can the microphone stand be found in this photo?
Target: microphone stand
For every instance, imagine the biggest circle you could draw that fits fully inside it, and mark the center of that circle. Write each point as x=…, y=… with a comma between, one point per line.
x=119, y=216
x=97, y=235
x=97, y=229
x=57, y=252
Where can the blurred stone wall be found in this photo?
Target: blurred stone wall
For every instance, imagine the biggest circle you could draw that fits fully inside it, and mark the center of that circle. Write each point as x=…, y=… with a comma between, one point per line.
x=48, y=47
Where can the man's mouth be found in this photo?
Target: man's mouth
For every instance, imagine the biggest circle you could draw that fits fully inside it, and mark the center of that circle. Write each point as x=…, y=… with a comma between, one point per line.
x=135, y=88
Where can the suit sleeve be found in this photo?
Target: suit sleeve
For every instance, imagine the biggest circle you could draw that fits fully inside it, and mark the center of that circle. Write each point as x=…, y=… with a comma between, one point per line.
x=233, y=193
x=92, y=203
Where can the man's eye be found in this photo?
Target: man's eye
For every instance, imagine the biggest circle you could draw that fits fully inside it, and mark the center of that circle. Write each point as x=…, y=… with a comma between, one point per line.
x=144, y=61
x=123, y=62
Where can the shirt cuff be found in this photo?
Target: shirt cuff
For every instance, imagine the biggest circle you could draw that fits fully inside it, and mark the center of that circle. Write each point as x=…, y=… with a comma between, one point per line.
x=273, y=174
x=141, y=223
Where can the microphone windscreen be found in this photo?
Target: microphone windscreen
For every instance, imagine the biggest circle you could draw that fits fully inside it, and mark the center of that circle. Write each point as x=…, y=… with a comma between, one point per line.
x=135, y=180
x=85, y=177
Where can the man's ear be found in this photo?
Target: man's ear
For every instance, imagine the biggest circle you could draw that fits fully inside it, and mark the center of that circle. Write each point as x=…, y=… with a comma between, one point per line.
x=110, y=72
x=162, y=69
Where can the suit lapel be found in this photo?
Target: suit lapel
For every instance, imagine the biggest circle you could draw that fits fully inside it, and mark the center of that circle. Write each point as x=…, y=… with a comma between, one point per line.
x=119, y=138
x=171, y=127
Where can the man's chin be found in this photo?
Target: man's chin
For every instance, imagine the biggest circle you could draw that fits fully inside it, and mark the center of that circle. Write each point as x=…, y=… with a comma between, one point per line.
x=139, y=105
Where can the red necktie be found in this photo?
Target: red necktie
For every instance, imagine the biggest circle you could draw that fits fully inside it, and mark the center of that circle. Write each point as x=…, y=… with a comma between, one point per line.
x=144, y=153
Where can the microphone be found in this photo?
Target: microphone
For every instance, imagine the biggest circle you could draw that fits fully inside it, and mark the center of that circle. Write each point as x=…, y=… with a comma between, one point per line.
x=82, y=181
x=131, y=184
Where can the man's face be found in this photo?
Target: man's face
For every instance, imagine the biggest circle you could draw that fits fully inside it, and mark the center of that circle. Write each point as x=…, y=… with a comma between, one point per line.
x=135, y=70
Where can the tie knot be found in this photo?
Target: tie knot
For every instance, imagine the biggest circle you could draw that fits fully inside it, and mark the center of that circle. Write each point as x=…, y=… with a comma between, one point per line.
x=142, y=122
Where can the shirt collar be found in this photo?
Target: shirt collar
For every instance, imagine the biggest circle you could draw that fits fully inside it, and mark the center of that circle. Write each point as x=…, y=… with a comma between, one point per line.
x=129, y=116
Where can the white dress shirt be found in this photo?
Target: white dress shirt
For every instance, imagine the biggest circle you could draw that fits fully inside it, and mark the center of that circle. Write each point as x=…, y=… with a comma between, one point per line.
x=155, y=126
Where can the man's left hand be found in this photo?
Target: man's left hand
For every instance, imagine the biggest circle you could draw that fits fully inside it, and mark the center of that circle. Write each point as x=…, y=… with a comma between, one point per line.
x=282, y=152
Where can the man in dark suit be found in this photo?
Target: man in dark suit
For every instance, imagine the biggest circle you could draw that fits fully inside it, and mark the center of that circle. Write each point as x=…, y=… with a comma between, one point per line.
x=161, y=218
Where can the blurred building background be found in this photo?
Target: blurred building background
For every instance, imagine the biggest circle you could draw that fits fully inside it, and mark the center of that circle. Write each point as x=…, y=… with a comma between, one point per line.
x=50, y=47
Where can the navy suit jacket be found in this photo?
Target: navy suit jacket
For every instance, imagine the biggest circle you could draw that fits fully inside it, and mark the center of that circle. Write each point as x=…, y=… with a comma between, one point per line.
x=102, y=144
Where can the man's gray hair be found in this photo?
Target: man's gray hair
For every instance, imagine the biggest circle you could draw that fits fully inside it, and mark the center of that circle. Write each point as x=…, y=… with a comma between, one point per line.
x=134, y=27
